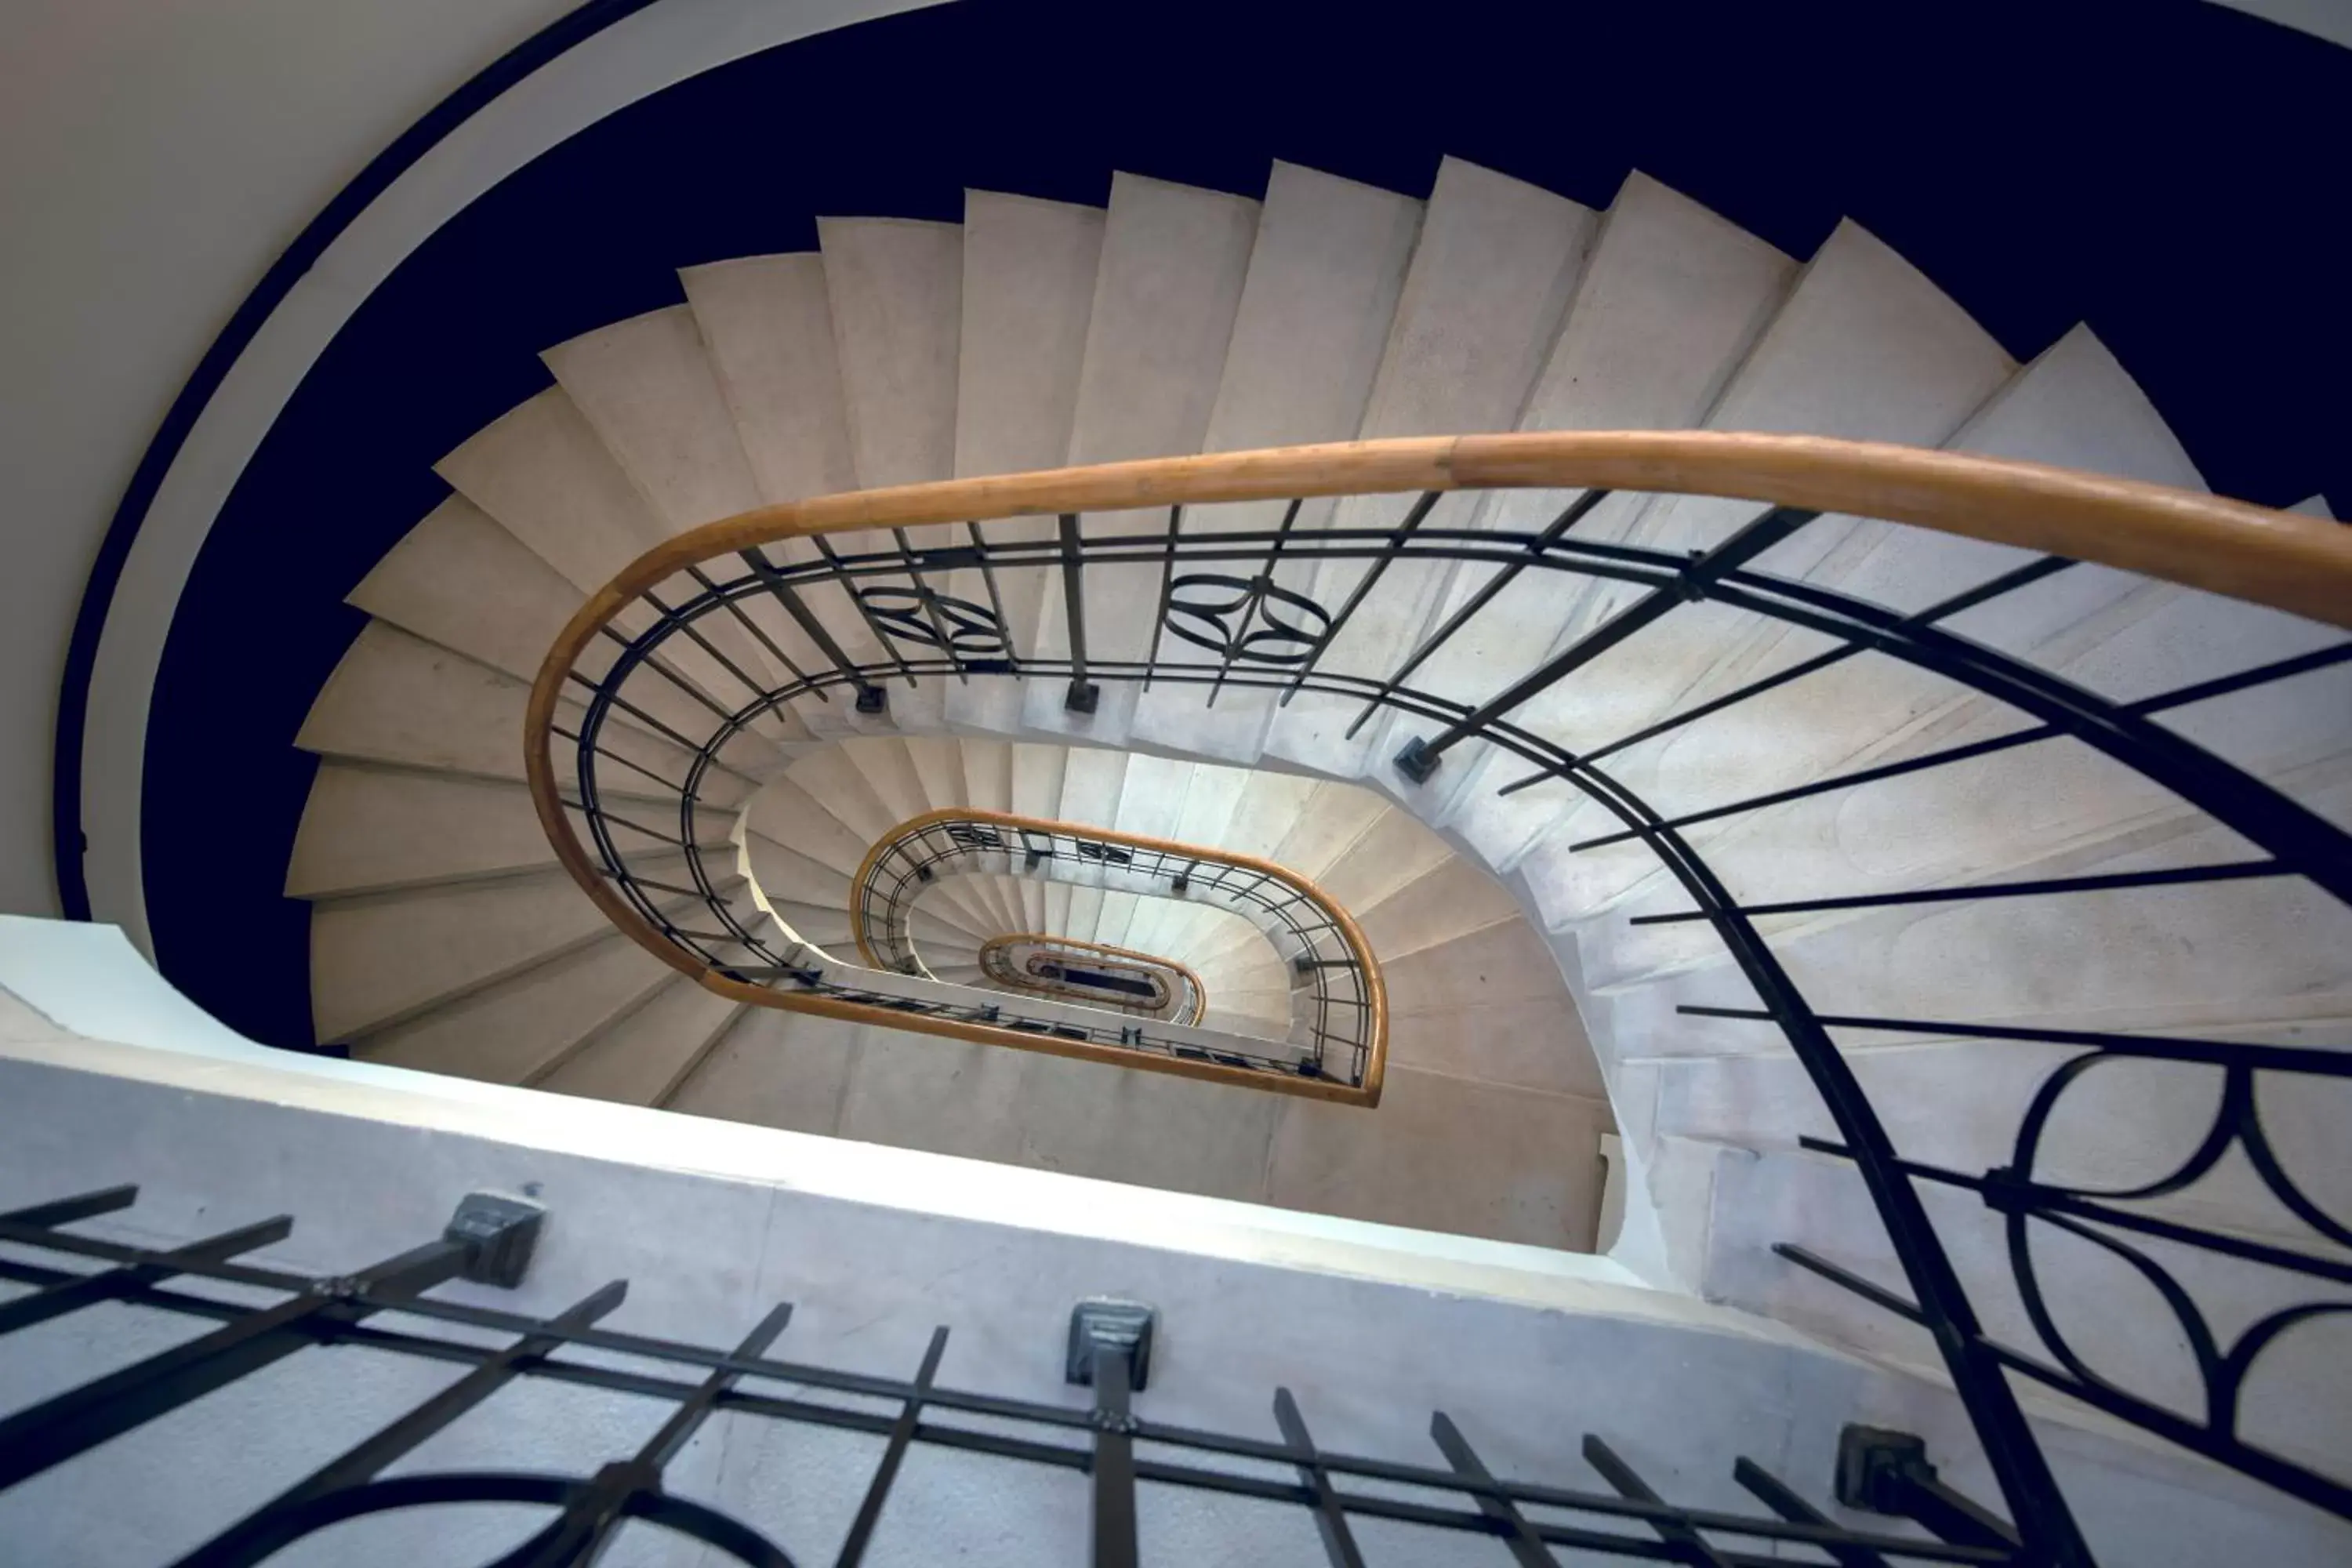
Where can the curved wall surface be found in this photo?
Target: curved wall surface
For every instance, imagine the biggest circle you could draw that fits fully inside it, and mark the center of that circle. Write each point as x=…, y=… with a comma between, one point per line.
x=2077, y=190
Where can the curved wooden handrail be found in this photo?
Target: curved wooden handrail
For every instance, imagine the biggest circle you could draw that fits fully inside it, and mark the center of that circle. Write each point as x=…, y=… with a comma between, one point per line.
x=1102, y=950
x=2300, y=565
x=2289, y=561
x=1351, y=936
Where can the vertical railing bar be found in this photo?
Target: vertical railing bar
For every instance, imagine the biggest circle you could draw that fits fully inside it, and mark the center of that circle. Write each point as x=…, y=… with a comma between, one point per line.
x=672, y=785
x=1258, y=587
x=2168, y=877
x=1421, y=757
x=811, y=627
x=1404, y=530
x=580, y=1535
x=1776, y=1496
x=1114, y=1459
x=694, y=634
x=839, y=572
x=2260, y=675
x=363, y=1461
x=1167, y=589
x=1572, y=514
x=1818, y=786
x=995, y=601
x=82, y=1205
x=929, y=602
x=1984, y=593
x=668, y=671
x=613, y=695
x=757, y=632
x=1330, y=1514
x=1526, y=1546
x=1689, y=1545
x=664, y=1446
x=1082, y=695
x=47, y=1434
x=90, y=1290
x=902, y=1432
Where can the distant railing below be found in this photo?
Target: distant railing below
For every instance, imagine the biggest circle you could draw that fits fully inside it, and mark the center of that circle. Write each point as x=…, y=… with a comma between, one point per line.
x=1224, y=577
x=1095, y=974
x=1339, y=1005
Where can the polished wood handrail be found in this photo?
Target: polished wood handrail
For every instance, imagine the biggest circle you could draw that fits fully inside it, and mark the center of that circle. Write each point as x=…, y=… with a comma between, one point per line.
x=1102, y=949
x=1351, y=936
x=2283, y=559
x=2300, y=565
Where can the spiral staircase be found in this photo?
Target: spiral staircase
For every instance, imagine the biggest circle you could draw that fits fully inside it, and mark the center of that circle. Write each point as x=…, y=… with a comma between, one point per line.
x=1918, y=915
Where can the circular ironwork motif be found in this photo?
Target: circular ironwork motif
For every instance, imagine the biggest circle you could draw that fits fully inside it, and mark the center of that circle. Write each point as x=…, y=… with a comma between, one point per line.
x=622, y=1490
x=1292, y=624
x=973, y=630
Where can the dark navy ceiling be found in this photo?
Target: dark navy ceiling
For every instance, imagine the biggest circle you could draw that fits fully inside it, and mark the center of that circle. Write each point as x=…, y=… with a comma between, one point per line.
x=2170, y=172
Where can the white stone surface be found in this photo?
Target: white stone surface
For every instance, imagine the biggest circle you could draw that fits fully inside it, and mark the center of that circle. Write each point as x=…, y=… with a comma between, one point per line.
x=640, y=1057
x=1326, y=265
x=767, y=322
x=714, y=1224
x=369, y=830
x=647, y=388
x=1173, y=261
x=1491, y=277
x=541, y=470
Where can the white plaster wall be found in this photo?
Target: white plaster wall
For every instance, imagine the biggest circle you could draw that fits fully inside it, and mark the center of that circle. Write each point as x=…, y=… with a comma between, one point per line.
x=1371, y=1327
x=153, y=160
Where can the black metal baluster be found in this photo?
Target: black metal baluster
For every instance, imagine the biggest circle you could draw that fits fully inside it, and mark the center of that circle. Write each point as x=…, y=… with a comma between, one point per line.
x=66, y=1210
x=1888, y=1472
x=2229, y=871
x=1527, y=1548
x=1167, y=580
x=57, y=1429
x=611, y=695
x=2008, y=582
x=840, y=576
x=258, y=1535
x=1769, y=1489
x=902, y=1432
x=1574, y=513
x=1082, y=696
x=693, y=634
x=664, y=669
x=1818, y=787
x=930, y=601
x=871, y=697
x=995, y=601
x=1398, y=539
x=1330, y=1514
x=114, y=1284
x=1250, y=605
x=1420, y=757
x=1109, y=1344
x=768, y=644
x=582, y=1533
x=1689, y=1545
x=1109, y=1348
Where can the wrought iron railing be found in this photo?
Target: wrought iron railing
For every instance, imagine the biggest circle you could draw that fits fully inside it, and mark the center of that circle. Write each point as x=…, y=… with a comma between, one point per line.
x=1339, y=1011
x=1108, y=1347
x=1246, y=590
x=1119, y=978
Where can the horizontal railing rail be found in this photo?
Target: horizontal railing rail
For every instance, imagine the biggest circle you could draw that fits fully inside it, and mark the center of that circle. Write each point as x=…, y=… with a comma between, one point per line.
x=1105, y=1348
x=860, y=596
x=1338, y=1002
